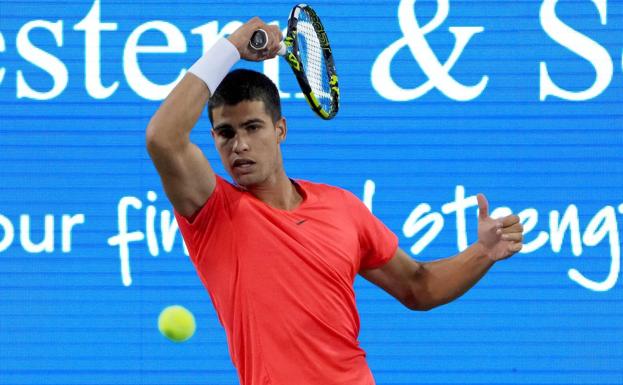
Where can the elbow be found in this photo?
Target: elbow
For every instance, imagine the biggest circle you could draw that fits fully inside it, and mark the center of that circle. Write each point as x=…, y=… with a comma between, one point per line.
x=153, y=137
x=419, y=298
x=416, y=305
x=424, y=308
x=424, y=302
x=157, y=140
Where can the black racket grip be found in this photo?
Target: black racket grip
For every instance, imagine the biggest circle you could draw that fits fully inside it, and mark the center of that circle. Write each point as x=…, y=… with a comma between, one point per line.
x=259, y=40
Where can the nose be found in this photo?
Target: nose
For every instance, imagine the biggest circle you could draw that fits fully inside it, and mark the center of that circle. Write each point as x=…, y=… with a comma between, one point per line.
x=240, y=144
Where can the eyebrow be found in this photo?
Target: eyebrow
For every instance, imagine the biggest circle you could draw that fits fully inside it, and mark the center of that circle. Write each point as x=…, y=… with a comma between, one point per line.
x=224, y=126
x=252, y=121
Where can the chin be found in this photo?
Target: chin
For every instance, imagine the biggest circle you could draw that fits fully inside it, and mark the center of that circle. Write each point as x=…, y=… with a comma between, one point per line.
x=246, y=180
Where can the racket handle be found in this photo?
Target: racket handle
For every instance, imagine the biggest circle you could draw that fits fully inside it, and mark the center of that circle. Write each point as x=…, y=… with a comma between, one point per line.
x=282, y=49
x=259, y=40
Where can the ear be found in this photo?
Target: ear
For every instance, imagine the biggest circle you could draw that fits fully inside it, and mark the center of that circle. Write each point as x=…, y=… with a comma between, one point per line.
x=282, y=129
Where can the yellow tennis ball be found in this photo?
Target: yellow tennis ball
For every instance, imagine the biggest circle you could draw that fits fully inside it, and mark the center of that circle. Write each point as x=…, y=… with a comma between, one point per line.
x=176, y=323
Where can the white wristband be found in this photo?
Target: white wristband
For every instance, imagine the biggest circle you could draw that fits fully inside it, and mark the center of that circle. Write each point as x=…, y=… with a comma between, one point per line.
x=214, y=65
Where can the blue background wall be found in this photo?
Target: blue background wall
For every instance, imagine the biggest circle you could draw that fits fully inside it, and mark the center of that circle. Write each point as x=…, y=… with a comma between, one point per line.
x=67, y=317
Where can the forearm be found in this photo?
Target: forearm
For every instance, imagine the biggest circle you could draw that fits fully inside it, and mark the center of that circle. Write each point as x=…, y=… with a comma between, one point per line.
x=439, y=282
x=173, y=121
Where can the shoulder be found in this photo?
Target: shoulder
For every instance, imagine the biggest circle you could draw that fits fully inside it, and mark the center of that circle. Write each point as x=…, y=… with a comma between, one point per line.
x=221, y=199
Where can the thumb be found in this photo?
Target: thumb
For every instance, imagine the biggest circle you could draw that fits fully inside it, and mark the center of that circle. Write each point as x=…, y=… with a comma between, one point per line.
x=483, y=206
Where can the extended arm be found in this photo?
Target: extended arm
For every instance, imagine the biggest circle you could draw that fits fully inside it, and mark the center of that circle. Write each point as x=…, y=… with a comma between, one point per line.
x=423, y=286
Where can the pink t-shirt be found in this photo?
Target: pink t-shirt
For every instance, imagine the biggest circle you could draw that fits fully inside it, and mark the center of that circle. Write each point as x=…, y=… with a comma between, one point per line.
x=282, y=281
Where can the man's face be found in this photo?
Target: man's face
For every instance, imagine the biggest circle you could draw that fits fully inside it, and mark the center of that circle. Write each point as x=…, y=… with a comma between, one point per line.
x=248, y=141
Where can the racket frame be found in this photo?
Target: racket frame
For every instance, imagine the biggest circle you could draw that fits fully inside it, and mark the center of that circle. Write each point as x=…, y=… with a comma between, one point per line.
x=294, y=60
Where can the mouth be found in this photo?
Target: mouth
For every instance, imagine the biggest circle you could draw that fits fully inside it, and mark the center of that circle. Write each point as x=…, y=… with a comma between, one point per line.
x=243, y=164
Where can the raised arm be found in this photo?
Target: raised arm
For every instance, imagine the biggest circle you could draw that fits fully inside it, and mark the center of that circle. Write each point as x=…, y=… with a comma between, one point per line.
x=186, y=174
x=423, y=286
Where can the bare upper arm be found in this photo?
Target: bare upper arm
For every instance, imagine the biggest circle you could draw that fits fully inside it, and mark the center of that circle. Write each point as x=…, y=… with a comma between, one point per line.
x=186, y=174
x=396, y=277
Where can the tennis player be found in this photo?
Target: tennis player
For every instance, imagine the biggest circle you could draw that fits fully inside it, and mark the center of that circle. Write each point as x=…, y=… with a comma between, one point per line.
x=279, y=256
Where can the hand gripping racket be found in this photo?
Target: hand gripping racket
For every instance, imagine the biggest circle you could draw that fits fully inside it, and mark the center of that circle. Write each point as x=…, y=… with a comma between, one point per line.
x=307, y=51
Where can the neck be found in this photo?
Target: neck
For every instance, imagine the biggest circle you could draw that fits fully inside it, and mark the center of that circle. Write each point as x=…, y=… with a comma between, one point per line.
x=278, y=192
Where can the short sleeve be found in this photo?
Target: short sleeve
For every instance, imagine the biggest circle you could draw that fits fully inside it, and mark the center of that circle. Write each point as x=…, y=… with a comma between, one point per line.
x=213, y=213
x=377, y=242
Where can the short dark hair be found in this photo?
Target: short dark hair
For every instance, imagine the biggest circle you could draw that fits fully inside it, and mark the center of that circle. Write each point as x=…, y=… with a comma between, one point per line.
x=242, y=84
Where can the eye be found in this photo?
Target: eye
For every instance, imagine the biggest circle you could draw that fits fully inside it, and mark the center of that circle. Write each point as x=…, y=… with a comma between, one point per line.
x=253, y=127
x=226, y=133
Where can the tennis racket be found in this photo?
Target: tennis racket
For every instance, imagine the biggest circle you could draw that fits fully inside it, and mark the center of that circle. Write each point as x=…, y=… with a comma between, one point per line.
x=306, y=49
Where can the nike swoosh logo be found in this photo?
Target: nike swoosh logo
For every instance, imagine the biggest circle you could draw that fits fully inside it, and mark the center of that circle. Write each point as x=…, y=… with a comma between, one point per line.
x=301, y=222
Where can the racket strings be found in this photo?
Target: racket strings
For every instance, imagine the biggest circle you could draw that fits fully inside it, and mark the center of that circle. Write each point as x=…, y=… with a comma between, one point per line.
x=313, y=61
